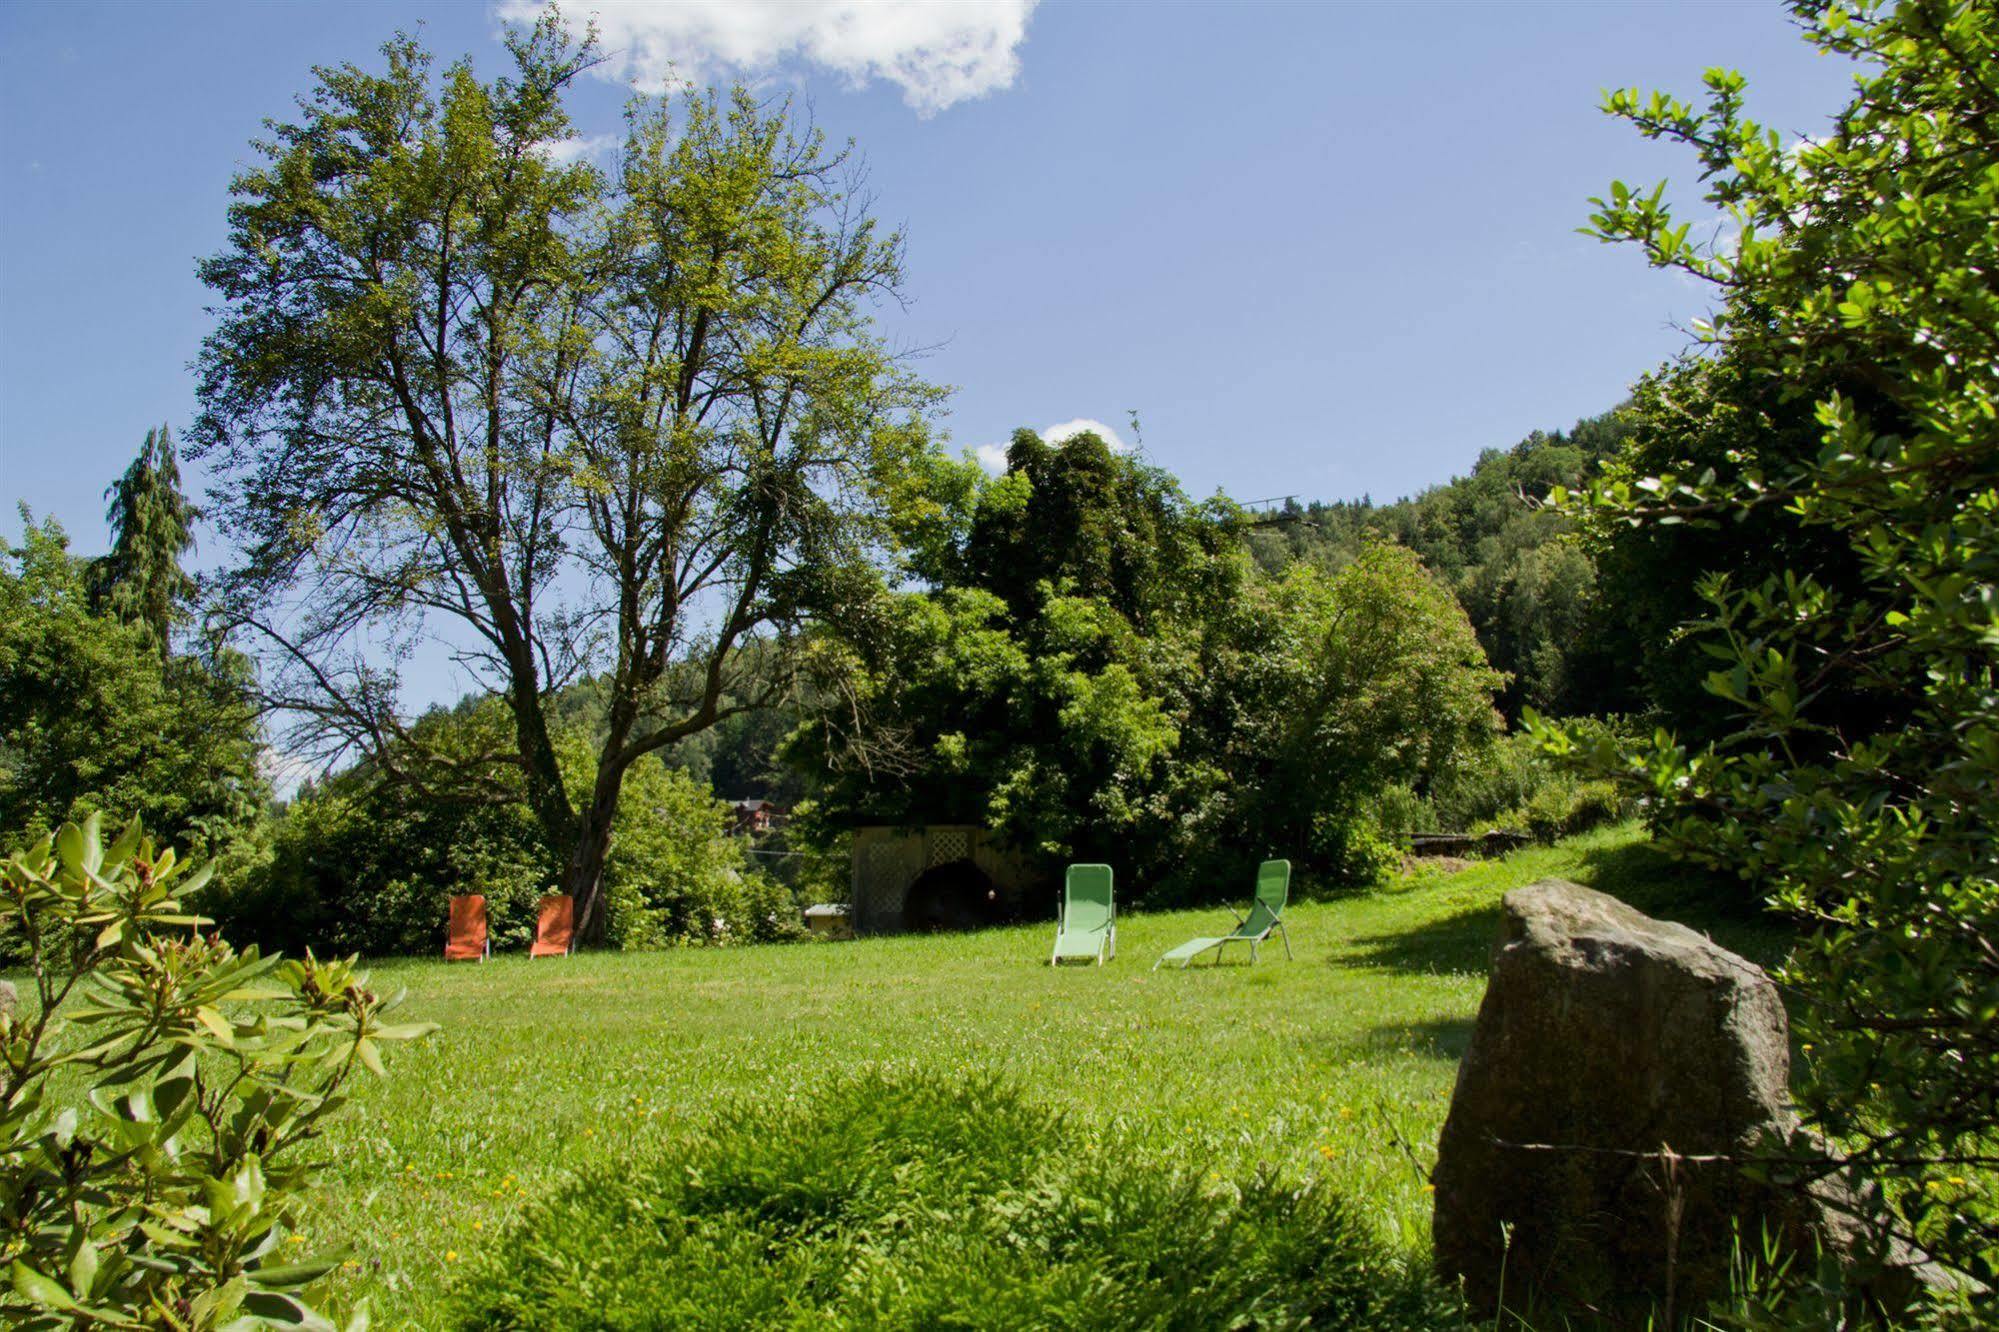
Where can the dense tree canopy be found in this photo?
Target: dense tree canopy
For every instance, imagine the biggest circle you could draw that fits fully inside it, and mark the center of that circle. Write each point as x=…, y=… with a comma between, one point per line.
x=93, y=718
x=1098, y=670
x=1529, y=587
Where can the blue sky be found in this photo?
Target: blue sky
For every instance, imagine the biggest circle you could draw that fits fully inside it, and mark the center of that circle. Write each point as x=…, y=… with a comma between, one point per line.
x=1321, y=249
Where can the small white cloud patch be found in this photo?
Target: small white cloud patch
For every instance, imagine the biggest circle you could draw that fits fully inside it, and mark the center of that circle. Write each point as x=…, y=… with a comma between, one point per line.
x=578, y=148
x=939, y=54
x=992, y=457
x=1055, y=434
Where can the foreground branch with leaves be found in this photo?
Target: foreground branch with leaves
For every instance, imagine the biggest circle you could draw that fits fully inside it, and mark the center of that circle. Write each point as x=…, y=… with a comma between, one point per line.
x=1851, y=766
x=156, y=1090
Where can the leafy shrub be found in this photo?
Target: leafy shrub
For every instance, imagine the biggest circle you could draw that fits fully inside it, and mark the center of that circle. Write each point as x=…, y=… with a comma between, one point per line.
x=159, y=1197
x=1501, y=778
x=1351, y=850
x=366, y=865
x=902, y=1202
x=1566, y=805
x=1515, y=785
x=675, y=876
x=770, y=911
x=1399, y=811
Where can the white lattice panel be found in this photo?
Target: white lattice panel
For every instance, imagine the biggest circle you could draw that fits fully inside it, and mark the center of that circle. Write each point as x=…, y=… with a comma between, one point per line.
x=948, y=845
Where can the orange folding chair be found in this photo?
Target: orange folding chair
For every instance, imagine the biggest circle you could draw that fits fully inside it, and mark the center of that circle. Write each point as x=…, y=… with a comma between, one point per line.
x=465, y=934
x=555, y=927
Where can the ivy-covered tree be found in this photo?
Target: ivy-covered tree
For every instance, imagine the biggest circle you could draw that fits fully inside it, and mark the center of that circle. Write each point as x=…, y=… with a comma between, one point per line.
x=1033, y=686
x=1853, y=769
x=1099, y=672
x=560, y=420
x=152, y=526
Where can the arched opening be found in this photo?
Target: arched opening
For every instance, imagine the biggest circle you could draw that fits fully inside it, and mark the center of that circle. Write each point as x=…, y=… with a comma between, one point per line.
x=953, y=896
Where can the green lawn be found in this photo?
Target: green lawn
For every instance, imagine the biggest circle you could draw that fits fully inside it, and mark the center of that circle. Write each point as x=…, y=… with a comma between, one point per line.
x=1315, y=1064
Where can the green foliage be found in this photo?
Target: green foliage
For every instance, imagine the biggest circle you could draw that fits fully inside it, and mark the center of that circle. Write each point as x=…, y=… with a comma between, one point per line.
x=1141, y=695
x=1039, y=683
x=1336, y=688
x=366, y=865
x=368, y=868
x=919, y=1201
x=152, y=526
x=1514, y=564
x=92, y=715
x=1852, y=770
x=675, y=875
x=627, y=423
x=156, y=1092
x=1714, y=414
x=1508, y=786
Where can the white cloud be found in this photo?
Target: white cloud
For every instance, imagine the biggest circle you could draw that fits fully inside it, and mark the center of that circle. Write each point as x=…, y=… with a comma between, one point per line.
x=1055, y=434
x=939, y=53
x=992, y=457
x=578, y=147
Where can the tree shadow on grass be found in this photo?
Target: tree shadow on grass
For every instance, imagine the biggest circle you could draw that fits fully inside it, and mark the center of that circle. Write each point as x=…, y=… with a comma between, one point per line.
x=1639, y=873
x=1444, y=1039
x=1724, y=908
x=1449, y=944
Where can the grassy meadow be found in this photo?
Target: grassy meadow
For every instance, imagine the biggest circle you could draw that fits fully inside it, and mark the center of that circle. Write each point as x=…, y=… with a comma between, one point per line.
x=1338, y=1062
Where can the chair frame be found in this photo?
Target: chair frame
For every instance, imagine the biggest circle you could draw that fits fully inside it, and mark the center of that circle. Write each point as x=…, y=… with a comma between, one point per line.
x=569, y=949
x=486, y=944
x=1107, y=950
x=1276, y=927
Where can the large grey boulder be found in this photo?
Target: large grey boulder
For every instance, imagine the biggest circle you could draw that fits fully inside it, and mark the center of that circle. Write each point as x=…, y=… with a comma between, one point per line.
x=1607, y=1040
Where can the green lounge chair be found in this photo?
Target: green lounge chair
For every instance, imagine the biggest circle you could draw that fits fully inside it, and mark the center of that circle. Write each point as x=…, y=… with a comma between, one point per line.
x=1266, y=913
x=1088, y=925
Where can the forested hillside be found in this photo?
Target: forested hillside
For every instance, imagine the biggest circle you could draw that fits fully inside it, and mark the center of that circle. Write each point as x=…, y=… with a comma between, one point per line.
x=1527, y=583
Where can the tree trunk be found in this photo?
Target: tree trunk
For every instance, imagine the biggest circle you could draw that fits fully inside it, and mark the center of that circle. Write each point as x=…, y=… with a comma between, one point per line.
x=583, y=877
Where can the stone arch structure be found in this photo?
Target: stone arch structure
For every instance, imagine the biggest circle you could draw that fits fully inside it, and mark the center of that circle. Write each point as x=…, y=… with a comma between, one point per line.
x=956, y=895
x=937, y=876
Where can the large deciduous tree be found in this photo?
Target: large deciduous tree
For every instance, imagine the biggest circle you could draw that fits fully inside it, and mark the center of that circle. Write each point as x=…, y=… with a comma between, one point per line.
x=469, y=386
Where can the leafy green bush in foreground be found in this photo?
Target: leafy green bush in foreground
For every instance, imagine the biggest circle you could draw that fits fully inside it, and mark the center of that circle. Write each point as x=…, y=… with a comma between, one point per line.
x=920, y=1201
x=156, y=1088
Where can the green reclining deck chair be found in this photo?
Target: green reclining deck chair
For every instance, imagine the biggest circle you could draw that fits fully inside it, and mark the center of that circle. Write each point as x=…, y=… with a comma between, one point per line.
x=1087, y=928
x=1266, y=913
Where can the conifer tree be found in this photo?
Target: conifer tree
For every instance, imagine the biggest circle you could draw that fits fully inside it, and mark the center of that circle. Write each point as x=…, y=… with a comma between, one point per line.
x=152, y=525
